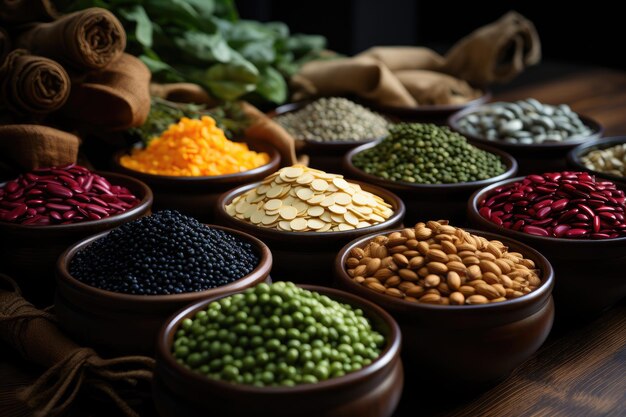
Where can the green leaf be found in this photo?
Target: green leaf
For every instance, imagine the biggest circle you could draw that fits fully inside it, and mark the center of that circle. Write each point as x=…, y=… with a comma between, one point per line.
x=260, y=52
x=143, y=25
x=230, y=81
x=272, y=86
x=301, y=44
x=204, y=47
x=205, y=8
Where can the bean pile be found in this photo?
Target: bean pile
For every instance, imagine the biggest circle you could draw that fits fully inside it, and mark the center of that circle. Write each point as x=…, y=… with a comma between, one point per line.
x=277, y=335
x=334, y=119
x=62, y=195
x=436, y=263
x=609, y=160
x=559, y=204
x=303, y=199
x=166, y=253
x=525, y=122
x=427, y=154
x=191, y=148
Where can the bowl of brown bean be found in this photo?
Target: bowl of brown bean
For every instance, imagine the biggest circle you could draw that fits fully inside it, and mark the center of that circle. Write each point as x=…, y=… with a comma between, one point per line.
x=29, y=251
x=572, y=218
x=475, y=304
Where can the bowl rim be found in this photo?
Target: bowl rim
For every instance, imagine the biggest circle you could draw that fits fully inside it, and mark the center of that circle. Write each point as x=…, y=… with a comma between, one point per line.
x=596, y=127
x=547, y=280
x=472, y=208
x=507, y=159
x=63, y=274
x=228, y=196
x=144, y=204
x=573, y=156
x=264, y=169
x=391, y=349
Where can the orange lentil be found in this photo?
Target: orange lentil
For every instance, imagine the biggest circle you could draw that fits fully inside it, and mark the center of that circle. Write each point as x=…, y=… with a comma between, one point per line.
x=194, y=147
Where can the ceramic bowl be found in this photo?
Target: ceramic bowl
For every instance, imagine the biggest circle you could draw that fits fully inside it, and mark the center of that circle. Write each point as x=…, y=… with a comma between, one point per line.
x=196, y=196
x=468, y=343
x=431, y=201
x=29, y=253
x=589, y=273
x=127, y=323
x=306, y=257
x=574, y=156
x=373, y=391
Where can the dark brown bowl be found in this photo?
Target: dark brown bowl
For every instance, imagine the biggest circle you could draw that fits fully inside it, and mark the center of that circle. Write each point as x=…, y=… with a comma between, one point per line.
x=590, y=273
x=326, y=156
x=196, y=196
x=373, y=391
x=534, y=158
x=29, y=253
x=126, y=323
x=575, y=155
x=432, y=201
x=469, y=343
x=306, y=257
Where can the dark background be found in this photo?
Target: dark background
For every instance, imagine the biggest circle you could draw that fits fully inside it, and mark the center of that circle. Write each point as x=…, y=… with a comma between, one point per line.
x=591, y=35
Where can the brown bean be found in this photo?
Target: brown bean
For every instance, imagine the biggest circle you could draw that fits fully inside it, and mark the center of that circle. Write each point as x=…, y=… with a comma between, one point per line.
x=437, y=268
x=407, y=274
x=400, y=260
x=457, y=298
x=432, y=280
x=454, y=280
x=430, y=299
x=476, y=299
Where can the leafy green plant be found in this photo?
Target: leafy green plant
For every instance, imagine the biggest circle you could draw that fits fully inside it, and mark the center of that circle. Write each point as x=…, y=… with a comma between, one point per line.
x=205, y=42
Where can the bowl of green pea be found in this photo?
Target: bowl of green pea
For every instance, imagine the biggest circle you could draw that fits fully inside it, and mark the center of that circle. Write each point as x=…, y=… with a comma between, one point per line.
x=279, y=350
x=433, y=169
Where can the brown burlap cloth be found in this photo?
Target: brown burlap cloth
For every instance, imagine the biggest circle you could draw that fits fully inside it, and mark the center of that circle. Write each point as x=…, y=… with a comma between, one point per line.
x=33, y=333
x=89, y=39
x=32, y=85
x=413, y=76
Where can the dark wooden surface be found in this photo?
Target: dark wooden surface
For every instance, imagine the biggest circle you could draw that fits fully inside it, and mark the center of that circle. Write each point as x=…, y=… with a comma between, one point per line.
x=579, y=372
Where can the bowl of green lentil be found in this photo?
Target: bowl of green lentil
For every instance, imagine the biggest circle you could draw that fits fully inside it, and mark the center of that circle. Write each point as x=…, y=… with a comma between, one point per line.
x=538, y=135
x=431, y=168
x=275, y=360
x=125, y=319
x=454, y=332
x=605, y=157
x=327, y=128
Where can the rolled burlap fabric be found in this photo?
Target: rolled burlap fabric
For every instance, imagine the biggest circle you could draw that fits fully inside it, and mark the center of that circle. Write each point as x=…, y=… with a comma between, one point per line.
x=85, y=40
x=5, y=45
x=431, y=88
x=114, y=98
x=13, y=12
x=32, y=146
x=32, y=85
x=183, y=93
x=70, y=369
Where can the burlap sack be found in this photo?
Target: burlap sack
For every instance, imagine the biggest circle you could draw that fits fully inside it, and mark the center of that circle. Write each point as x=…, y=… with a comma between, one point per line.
x=85, y=40
x=112, y=99
x=32, y=146
x=32, y=85
x=431, y=88
x=183, y=93
x=13, y=12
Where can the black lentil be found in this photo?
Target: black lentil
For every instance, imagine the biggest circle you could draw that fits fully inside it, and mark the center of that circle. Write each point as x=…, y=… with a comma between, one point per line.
x=166, y=253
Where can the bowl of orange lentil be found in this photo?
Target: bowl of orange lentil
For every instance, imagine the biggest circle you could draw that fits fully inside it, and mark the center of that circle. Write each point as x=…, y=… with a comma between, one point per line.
x=191, y=163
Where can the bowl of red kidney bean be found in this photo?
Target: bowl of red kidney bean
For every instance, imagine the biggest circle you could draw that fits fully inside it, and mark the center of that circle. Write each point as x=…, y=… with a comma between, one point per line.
x=43, y=211
x=575, y=220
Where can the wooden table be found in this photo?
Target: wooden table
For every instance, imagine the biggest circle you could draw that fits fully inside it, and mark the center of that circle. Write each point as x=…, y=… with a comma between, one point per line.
x=580, y=370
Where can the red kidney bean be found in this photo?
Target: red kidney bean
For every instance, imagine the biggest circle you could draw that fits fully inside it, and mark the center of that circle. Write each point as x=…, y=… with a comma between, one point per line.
x=56, y=206
x=11, y=187
x=59, y=190
x=560, y=204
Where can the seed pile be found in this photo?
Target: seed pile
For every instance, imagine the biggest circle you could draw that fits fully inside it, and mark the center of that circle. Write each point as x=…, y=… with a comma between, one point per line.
x=436, y=263
x=610, y=160
x=62, y=195
x=427, y=154
x=559, y=204
x=303, y=199
x=191, y=148
x=334, y=119
x=166, y=253
x=277, y=335
x=525, y=122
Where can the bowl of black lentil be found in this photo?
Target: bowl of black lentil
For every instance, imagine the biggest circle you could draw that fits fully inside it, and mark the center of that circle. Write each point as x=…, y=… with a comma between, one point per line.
x=115, y=289
x=316, y=350
x=431, y=168
x=538, y=135
x=325, y=129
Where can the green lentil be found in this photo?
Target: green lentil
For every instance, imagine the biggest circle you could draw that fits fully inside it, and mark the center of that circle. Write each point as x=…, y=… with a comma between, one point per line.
x=427, y=154
x=334, y=119
x=247, y=339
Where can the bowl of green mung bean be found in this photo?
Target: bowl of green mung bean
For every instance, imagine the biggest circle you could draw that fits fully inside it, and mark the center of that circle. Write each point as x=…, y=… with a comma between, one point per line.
x=278, y=348
x=433, y=169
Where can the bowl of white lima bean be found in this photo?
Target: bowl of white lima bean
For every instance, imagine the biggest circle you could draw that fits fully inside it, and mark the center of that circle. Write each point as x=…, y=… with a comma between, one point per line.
x=605, y=157
x=538, y=135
